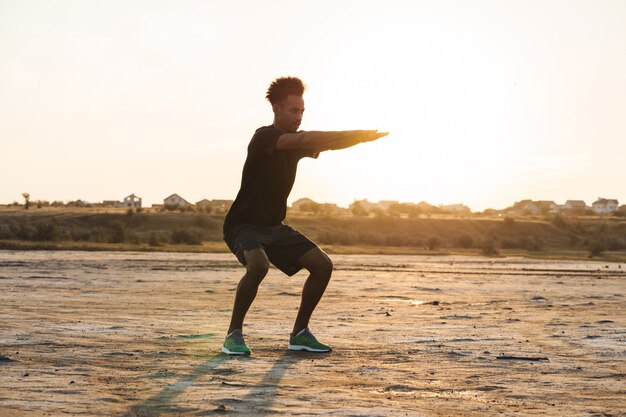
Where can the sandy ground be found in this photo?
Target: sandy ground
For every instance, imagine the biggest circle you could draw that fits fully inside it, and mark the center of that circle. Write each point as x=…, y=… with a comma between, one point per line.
x=138, y=334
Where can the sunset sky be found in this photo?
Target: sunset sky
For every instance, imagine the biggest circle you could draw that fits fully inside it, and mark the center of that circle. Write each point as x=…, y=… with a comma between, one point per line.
x=486, y=102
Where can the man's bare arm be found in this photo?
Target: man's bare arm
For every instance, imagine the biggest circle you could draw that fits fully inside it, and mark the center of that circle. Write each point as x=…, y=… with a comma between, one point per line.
x=320, y=141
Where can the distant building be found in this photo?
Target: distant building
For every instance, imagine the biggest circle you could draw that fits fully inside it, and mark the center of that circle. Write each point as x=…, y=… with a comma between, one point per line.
x=132, y=201
x=427, y=207
x=525, y=207
x=533, y=208
x=302, y=204
x=310, y=206
x=574, y=206
x=203, y=203
x=457, y=208
x=176, y=201
x=385, y=204
x=364, y=204
x=224, y=204
x=219, y=206
x=548, y=207
x=129, y=201
x=367, y=205
x=605, y=206
x=111, y=203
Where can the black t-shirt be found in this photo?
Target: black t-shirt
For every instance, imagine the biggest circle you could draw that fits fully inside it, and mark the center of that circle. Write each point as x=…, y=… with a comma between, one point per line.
x=267, y=179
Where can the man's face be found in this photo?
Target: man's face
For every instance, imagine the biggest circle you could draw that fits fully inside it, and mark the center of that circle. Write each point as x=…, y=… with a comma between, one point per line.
x=288, y=113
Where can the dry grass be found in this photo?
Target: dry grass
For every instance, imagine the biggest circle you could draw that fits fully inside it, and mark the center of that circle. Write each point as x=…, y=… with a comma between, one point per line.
x=110, y=229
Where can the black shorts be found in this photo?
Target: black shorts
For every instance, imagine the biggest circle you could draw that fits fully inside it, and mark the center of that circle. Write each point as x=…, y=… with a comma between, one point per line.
x=282, y=244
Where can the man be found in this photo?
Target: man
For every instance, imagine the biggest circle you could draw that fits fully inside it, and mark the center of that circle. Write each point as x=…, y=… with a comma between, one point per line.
x=253, y=228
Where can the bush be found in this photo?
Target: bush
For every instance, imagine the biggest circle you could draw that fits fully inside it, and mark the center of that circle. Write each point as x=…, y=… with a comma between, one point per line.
x=98, y=234
x=465, y=241
x=433, y=243
x=156, y=239
x=48, y=231
x=374, y=239
x=614, y=243
x=378, y=213
x=574, y=240
x=8, y=230
x=132, y=237
x=358, y=210
x=188, y=236
x=510, y=244
x=489, y=247
x=117, y=234
x=559, y=222
x=509, y=222
x=397, y=239
x=202, y=221
x=24, y=231
x=525, y=242
x=337, y=238
x=597, y=247
x=534, y=244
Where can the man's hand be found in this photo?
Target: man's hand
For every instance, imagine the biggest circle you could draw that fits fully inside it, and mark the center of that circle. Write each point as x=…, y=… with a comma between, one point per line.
x=372, y=135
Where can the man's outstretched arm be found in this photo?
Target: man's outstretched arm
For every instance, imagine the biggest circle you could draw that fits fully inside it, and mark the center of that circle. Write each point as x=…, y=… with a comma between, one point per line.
x=320, y=141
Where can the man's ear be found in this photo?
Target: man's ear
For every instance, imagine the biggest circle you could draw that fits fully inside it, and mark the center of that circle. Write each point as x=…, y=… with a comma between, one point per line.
x=275, y=107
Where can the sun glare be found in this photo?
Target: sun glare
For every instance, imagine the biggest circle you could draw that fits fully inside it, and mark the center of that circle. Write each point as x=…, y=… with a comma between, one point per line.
x=449, y=117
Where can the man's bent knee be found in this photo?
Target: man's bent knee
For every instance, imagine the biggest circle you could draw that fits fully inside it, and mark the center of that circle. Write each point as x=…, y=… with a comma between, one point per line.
x=317, y=262
x=257, y=264
x=326, y=266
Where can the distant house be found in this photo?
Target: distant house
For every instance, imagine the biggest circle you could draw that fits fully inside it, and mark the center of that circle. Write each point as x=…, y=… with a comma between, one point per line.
x=427, y=207
x=302, y=204
x=385, y=204
x=525, y=207
x=111, y=203
x=203, y=203
x=534, y=208
x=548, y=207
x=132, y=201
x=311, y=206
x=364, y=204
x=220, y=206
x=331, y=208
x=457, y=208
x=574, y=206
x=605, y=206
x=176, y=201
x=129, y=201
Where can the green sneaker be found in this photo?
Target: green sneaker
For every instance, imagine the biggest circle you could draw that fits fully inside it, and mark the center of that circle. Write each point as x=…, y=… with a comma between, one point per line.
x=305, y=340
x=234, y=344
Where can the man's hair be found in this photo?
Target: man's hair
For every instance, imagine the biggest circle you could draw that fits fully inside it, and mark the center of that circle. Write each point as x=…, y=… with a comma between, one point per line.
x=282, y=87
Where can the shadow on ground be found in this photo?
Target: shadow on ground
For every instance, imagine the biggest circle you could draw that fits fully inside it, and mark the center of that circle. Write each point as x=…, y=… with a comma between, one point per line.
x=259, y=399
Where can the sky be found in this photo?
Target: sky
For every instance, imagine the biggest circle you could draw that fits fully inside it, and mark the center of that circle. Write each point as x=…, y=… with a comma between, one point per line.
x=486, y=102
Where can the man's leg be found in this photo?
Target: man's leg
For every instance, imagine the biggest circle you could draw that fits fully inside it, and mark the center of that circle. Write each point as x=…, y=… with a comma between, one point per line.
x=320, y=267
x=257, y=266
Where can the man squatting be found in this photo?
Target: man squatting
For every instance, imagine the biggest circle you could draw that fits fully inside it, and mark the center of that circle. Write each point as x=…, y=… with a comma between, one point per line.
x=253, y=228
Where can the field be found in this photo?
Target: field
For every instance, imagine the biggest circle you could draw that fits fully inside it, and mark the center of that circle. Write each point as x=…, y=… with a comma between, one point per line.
x=138, y=334
x=117, y=230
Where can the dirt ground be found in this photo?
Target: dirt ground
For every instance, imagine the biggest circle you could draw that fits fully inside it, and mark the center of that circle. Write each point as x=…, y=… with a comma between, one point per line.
x=138, y=334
